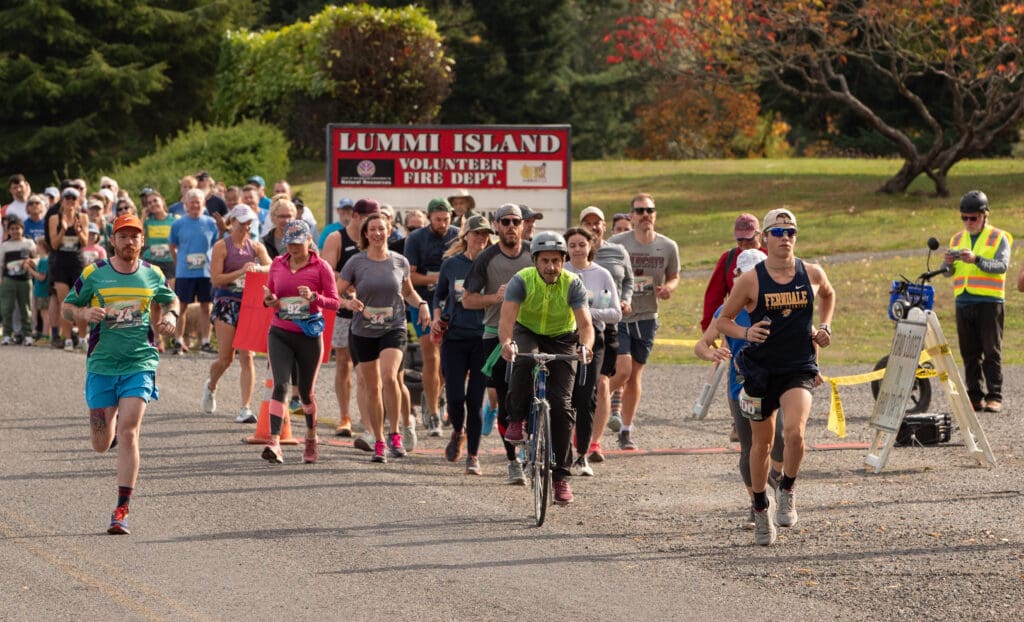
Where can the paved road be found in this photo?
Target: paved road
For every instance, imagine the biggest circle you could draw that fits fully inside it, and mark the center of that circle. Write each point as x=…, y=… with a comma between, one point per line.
x=218, y=534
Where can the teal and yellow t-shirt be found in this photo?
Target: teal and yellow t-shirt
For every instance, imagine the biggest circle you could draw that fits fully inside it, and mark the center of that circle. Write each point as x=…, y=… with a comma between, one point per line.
x=123, y=342
x=158, y=233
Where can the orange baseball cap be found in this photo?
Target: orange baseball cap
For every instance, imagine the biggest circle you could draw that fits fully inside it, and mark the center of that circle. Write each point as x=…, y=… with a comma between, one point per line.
x=127, y=220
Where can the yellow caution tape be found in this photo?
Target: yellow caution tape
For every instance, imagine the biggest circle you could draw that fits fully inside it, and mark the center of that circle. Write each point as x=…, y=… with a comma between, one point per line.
x=686, y=343
x=836, y=416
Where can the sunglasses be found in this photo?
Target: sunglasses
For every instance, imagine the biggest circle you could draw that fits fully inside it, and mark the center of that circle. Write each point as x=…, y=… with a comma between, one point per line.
x=643, y=210
x=778, y=232
x=107, y=186
x=969, y=218
x=750, y=239
x=123, y=208
x=510, y=222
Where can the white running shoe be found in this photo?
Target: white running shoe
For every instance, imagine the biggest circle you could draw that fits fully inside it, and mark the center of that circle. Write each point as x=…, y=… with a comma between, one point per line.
x=764, y=525
x=245, y=415
x=786, y=515
x=209, y=404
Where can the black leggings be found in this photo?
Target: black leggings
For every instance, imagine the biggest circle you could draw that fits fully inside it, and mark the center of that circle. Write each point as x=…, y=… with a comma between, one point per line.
x=461, y=362
x=584, y=397
x=288, y=351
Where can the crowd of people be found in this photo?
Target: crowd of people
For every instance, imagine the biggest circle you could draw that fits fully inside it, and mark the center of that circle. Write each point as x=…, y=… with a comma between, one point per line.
x=464, y=293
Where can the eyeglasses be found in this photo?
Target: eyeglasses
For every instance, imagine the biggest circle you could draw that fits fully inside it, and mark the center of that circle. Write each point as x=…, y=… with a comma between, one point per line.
x=643, y=210
x=750, y=239
x=969, y=218
x=778, y=232
x=124, y=208
x=510, y=222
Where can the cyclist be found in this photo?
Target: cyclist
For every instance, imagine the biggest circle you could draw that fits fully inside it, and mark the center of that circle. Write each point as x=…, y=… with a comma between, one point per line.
x=546, y=310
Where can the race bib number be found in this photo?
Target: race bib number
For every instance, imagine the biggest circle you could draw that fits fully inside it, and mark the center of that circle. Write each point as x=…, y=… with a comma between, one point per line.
x=195, y=261
x=378, y=316
x=16, y=267
x=69, y=243
x=124, y=314
x=643, y=285
x=750, y=406
x=160, y=251
x=294, y=308
x=460, y=289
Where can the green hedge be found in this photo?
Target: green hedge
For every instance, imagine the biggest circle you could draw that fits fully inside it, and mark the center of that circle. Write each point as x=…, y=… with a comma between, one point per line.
x=356, y=64
x=230, y=154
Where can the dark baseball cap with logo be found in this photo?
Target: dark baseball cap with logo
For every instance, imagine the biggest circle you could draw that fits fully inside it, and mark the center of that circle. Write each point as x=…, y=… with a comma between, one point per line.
x=365, y=207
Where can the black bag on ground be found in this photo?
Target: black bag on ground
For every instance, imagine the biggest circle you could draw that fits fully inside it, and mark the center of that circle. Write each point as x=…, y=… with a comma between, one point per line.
x=924, y=429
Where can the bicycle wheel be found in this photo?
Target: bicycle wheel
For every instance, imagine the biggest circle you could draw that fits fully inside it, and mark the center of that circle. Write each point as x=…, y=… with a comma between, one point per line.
x=541, y=465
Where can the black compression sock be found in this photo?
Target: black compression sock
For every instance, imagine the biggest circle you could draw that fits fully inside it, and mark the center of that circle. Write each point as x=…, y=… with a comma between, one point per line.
x=761, y=501
x=786, y=483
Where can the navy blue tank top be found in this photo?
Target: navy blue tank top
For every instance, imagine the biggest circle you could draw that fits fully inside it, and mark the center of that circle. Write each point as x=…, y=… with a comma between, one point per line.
x=790, y=307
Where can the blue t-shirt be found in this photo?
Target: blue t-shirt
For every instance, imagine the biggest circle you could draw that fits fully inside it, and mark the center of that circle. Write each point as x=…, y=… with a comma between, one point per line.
x=176, y=209
x=40, y=289
x=194, y=238
x=735, y=345
x=34, y=229
x=328, y=230
x=425, y=250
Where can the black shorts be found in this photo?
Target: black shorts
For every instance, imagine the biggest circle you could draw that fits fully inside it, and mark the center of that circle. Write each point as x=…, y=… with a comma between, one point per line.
x=611, y=349
x=777, y=385
x=191, y=290
x=64, y=270
x=367, y=349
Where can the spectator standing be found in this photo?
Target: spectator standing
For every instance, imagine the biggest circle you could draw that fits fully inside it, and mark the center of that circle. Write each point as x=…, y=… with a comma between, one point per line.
x=747, y=233
x=17, y=254
x=977, y=259
x=66, y=230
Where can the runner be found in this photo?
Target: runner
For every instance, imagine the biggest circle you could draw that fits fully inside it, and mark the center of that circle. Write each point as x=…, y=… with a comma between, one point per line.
x=378, y=332
x=300, y=286
x=231, y=259
x=116, y=299
x=779, y=366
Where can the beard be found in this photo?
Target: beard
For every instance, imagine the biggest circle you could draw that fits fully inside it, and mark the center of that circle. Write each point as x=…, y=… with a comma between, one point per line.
x=128, y=253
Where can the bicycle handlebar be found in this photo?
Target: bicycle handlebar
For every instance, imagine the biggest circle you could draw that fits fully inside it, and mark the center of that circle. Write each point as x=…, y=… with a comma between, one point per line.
x=544, y=357
x=928, y=275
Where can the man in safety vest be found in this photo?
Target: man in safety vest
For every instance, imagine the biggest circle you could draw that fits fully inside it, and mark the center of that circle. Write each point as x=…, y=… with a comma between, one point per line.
x=977, y=259
x=546, y=309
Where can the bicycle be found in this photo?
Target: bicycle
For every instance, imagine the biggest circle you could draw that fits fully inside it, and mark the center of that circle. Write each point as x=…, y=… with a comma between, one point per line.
x=905, y=295
x=539, y=455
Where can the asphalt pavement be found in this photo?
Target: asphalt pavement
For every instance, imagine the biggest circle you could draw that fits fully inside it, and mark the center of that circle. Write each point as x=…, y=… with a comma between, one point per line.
x=219, y=534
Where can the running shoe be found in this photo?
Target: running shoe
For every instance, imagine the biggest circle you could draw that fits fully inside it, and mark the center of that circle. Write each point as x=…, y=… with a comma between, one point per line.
x=625, y=442
x=773, y=478
x=435, y=425
x=119, y=521
x=344, y=428
x=563, y=493
x=516, y=477
x=245, y=415
x=395, y=445
x=453, y=451
x=209, y=403
x=364, y=442
x=750, y=523
x=764, y=526
x=490, y=416
x=514, y=433
x=179, y=347
x=379, y=455
x=595, y=453
x=272, y=453
x=993, y=406
x=409, y=437
x=311, y=453
x=6, y=342
x=28, y=341
x=295, y=405
x=582, y=467
x=472, y=465
x=786, y=515
x=208, y=348
x=615, y=423
x=69, y=345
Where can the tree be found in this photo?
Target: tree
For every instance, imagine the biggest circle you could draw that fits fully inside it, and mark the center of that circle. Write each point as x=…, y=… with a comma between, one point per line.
x=86, y=85
x=956, y=64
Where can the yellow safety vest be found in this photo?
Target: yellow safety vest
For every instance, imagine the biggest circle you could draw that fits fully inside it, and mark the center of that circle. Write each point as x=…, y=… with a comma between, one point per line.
x=546, y=310
x=967, y=277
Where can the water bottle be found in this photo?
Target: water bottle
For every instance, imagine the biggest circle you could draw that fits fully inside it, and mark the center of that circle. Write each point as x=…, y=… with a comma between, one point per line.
x=437, y=333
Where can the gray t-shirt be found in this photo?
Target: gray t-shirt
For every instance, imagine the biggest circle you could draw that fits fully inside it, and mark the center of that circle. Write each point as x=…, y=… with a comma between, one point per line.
x=378, y=285
x=614, y=258
x=652, y=263
x=490, y=270
x=601, y=294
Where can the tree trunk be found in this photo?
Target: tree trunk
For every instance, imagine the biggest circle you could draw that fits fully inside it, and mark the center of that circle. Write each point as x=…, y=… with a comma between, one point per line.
x=911, y=170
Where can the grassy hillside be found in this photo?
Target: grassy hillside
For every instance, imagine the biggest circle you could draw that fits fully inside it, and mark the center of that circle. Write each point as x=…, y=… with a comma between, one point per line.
x=839, y=213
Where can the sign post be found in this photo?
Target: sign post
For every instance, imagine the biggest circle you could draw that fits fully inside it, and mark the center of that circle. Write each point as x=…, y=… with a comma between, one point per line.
x=407, y=165
x=918, y=331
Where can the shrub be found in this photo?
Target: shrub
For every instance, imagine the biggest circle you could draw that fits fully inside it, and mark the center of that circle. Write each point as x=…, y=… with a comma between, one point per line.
x=356, y=64
x=230, y=154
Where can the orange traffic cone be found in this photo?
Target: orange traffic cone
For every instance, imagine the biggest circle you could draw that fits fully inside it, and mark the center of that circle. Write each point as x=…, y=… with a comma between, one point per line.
x=262, y=434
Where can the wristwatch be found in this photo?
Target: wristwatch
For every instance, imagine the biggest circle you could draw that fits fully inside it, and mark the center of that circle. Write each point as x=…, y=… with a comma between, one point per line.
x=825, y=328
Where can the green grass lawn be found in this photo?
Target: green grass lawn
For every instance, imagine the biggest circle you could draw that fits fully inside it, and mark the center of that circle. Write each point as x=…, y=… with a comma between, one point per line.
x=838, y=212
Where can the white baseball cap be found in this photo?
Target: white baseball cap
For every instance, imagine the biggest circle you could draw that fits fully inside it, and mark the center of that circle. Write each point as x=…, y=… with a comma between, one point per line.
x=592, y=210
x=749, y=258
